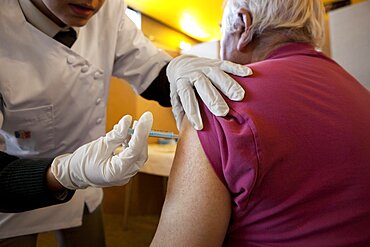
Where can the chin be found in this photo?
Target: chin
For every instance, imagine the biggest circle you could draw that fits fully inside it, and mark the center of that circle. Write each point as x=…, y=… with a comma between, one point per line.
x=76, y=22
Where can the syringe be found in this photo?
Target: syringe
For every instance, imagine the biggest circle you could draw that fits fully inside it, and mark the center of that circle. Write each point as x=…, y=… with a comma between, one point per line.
x=156, y=133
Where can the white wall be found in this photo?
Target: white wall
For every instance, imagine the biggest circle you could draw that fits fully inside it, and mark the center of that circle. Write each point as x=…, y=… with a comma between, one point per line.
x=207, y=49
x=350, y=40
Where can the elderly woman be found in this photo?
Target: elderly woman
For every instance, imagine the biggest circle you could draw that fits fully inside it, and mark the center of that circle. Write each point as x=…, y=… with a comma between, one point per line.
x=288, y=166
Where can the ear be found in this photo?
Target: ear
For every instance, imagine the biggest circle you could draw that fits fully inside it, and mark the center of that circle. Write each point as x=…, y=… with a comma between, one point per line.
x=246, y=18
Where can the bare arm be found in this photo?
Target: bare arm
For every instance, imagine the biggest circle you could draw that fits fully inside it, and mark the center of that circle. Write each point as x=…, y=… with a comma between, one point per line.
x=197, y=208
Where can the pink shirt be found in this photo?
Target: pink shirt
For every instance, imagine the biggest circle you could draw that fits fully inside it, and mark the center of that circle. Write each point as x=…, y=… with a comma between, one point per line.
x=295, y=154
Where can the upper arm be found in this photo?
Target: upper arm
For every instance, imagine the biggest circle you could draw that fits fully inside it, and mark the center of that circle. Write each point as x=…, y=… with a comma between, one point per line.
x=197, y=208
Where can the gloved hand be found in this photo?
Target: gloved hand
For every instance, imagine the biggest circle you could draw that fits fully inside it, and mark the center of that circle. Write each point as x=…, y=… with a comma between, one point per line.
x=94, y=163
x=187, y=71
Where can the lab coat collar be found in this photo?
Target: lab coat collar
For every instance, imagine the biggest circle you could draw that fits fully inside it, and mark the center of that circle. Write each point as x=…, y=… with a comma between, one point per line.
x=35, y=17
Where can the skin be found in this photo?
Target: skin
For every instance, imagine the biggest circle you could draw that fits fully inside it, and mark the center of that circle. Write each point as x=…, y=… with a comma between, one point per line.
x=235, y=47
x=75, y=13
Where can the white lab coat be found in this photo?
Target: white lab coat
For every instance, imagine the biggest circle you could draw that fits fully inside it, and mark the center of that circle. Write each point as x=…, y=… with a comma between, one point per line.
x=59, y=94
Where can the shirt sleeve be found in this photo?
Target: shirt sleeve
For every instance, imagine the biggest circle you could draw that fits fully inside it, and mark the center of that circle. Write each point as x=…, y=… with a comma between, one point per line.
x=230, y=144
x=137, y=60
x=23, y=185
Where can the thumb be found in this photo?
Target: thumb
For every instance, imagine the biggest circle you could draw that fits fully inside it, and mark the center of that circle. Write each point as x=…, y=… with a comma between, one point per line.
x=141, y=132
x=119, y=133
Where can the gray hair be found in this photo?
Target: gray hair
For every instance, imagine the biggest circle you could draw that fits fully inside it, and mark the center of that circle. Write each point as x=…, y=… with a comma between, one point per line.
x=301, y=16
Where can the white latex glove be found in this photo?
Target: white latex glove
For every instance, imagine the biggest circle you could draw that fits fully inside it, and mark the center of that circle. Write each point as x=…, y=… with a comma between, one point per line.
x=185, y=72
x=94, y=164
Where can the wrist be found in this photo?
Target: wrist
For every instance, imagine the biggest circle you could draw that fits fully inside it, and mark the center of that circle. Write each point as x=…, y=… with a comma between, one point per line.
x=56, y=188
x=52, y=183
x=61, y=171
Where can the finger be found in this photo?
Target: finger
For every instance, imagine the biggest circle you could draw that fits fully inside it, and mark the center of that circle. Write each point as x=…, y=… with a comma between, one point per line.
x=189, y=103
x=227, y=85
x=141, y=132
x=179, y=117
x=211, y=97
x=118, y=134
x=177, y=110
x=125, y=165
x=235, y=69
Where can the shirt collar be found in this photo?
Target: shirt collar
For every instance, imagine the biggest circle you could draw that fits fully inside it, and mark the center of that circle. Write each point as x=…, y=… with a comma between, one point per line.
x=35, y=17
x=292, y=48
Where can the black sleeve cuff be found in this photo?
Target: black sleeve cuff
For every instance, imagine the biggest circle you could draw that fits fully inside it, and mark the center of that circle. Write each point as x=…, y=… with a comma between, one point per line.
x=159, y=89
x=23, y=185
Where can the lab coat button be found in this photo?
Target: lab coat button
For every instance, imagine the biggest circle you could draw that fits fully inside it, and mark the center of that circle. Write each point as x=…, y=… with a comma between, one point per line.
x=84, y=68
x=98, y=121
x=97, y=75
x=98, y=100
x=71, y=59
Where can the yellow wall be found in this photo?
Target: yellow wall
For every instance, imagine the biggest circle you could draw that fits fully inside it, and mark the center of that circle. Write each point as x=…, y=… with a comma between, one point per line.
x=123, y=100
x=163, y=36
x=358, y=1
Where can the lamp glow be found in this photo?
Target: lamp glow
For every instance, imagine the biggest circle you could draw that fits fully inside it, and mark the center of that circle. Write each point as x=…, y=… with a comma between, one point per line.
x=190, y=26
x=185, y=46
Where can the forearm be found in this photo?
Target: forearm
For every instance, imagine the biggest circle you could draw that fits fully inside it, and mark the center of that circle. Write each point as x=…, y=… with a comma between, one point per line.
x=26, y=184
x=159, y=89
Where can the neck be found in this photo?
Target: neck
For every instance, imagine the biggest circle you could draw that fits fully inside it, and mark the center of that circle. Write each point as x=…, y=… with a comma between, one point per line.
x=262, y=46
x=42, y=7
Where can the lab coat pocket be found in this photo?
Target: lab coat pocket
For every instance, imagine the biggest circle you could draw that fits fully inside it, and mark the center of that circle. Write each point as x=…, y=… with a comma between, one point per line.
x=31, y=131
